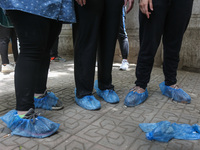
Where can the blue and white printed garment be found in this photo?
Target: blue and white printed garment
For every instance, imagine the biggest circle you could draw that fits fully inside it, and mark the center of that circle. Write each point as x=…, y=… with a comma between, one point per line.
x=61, y=10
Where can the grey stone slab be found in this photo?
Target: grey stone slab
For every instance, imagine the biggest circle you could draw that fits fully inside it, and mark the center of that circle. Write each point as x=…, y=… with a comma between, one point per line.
x=74, y=143
x=114, y=126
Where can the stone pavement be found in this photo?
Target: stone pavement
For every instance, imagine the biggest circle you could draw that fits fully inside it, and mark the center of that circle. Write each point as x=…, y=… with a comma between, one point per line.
x=114, y=126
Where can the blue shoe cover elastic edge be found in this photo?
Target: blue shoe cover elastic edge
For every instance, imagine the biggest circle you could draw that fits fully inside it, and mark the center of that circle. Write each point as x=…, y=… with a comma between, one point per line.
x=46, y=102
x=109, y=96
x=42, y=127
x=133, y=98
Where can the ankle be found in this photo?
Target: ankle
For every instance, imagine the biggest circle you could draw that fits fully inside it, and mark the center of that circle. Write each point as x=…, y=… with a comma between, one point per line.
x=138, y=89
x=38, y=95
x=174, y=86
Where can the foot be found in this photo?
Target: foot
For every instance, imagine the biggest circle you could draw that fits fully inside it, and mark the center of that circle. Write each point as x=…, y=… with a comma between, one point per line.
x=48, y=101
x=7, y=68
x=31, y=125
x=176, y=93
x=109, y=96
x=136, y=96
x=124, y=66
x=88, y=102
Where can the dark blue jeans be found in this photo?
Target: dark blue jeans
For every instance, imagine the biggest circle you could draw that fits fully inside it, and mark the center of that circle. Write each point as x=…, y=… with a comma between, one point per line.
x=168, y=20
x=36, y=36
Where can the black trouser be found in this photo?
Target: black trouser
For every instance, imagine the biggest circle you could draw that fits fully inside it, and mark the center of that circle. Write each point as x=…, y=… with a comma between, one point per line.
x=97, y=26
x=36, y=36
x=169, y=19
x=122, y=36
x=5, y=35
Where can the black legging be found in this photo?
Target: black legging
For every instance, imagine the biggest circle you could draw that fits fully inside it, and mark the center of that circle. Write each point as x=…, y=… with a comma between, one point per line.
x=5, y=35
x=97, y=26
x=169, y=19
x=36, y=36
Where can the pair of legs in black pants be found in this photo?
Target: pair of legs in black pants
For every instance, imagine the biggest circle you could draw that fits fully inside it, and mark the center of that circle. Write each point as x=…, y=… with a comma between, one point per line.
x=5, y=35
x=168, y=20
x=36, y=36
x=97, y=27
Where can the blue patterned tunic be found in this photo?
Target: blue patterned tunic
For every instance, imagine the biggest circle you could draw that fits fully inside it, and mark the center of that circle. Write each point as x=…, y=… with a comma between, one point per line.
x=62, y=10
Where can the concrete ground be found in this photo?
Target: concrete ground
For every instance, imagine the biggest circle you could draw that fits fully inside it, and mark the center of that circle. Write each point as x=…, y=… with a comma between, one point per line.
x=114, y=126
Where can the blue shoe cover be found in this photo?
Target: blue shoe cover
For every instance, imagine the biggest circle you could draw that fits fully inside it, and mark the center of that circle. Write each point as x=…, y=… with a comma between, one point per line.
x=177, y=95
x=185, y=132
x=42, y=127
x=88, y=102
x=134, y=98
x=110, y=96
x=164, y=131
x=46, y=102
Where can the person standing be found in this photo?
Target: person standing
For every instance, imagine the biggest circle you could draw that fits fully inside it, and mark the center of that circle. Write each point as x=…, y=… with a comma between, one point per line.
x=37, y=24
x=97, y=27
x=166, y=19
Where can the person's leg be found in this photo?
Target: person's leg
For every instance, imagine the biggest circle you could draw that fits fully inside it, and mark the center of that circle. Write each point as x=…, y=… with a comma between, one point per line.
x=33, y=37
x=54, y=48
x=123, y=37
x=176, y=24
x=33, y=34
x=150, y=32
x=85, y=35
x=13, y=37
x=42, y=98
x=4, y=40
x=85, y=38
x=123, y=41
x=108, y=36
x=42, y=75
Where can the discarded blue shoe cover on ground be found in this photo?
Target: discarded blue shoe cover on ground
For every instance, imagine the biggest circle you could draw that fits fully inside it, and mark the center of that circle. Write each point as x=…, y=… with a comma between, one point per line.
x=133, y=98
x=46, y=102
x=196, y=127
x=176, y=94
x=164, y=131
x=109, y=96
x=40, y=128
x=185, y=132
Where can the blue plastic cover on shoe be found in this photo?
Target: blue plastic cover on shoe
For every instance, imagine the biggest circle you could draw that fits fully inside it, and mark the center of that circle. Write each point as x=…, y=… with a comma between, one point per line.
x=42, y=127
x=134, y=98
x=109, y=96
x=88, y=102
x=46, y=102
x=176, y=94
x=164, y=131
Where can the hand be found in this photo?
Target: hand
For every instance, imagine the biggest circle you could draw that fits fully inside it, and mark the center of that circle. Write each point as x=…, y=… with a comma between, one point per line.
x=130, y=5
x=144, y=7
x=81, y=2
